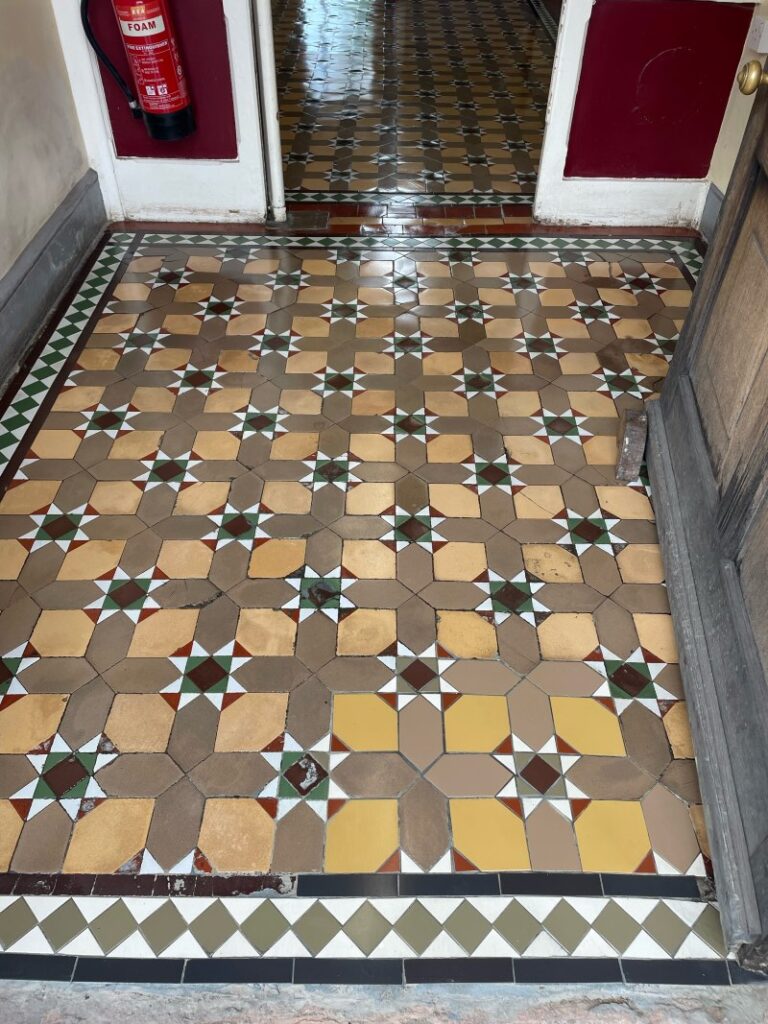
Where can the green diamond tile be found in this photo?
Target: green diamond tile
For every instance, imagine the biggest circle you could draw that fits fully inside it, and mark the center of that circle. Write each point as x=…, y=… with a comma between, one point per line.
x=316, y=928
x=710, y=929
x=63, y=925
x=666, y=928
x=517, y=926
x=113, y=926
x=163, y=927
x=367, y=927
x=617, y=927
x=15, y=921
x=213, y=927
x=468, y=926
x=418, y=927
x=566, y=926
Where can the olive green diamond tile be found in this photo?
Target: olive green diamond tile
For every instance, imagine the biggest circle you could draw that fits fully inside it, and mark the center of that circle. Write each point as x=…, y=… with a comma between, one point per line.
x=418, y=927
x=666, y=928
x=15, y=921
x=709, y=928
x=113, y=926
x=316, y=928
x=566, y=925
x=163, y=927
x=467, y=926
x=517, y=926
x=213, y=927
x=264, y=927
x=617, y=927
x=367, y=928
x=63, y=925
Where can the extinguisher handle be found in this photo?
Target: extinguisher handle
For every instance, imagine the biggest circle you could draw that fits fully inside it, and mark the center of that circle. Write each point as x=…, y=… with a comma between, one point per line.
x=125, y=89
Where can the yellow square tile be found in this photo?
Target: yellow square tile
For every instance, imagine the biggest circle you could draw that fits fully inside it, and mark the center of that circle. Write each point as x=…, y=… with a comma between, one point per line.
x=363, y=721
x=168, y=359
x=362, y=836
x=489, y=835
x=476, y=723
x=201, y=499
x=528, y=450
x=552, y=563
x=373, y=403
x=371, y=448
x=624, y=502
x=459, y=560
x=138, y=444
x=641, y=563
x=90, y=560
x=612, y=836
x=163, y=632
x=140, y=722
x=370, y=499
x=519, y=403
x=587, y=726
x=62, y=633
x=185, y=559
x=286, y=497
x=454, y=501
x=538, y=502
x=294, y=446
x=215, y=445
x=449, y=448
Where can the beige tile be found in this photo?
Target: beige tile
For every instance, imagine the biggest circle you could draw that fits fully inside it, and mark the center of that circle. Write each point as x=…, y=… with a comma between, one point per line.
x=366, y=631
x=466, y=634
x=373, y=403
x=30, y=721
x=115, y=497
x=454, y=501
x=237, y=835
x=62, y=633
x=294, y=446
x=552, y=563
x=13, y=555
x=641, y=563
x=90, y=560
x=77, y=399
x=108, y=836
x=459, y=560
x=140, y=722
x=602, y=450
x=445, y=403
x=201, y=498
x=592, y=403
x=567, y=636
x=213, y=445
x=176, y=323
x=10, y=829
x=251, y=722
x=248, y=324
x=528, y=451
x=372, y=448
x=168, y=359
x=370, y=499
x=264, y=632
x=538, y=502
x=449, y=448
x=657, y=635
x=185, y=559
x=163, y=632
x=153, y=399
x=624, y=503
x=28, y=497
x=369, y=559
x=519, y=403
x=237, y=360
x=286, y=496
x=276, y=559
x=138, y=444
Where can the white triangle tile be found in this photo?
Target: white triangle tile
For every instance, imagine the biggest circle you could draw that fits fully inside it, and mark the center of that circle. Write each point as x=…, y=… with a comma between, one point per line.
x=539, y=906
x=92, y=906
x=490, y=906
x=544, y=945
x=293, y=909
x=392, y=947
x=236, y=946
x=140, y=907
x=686, y=910
x=83, y=944
x=494, y=945
x=288, y=945
x=394, y=908
x=42, y=906
x=343, y=907
x=241, y=907
x=588, y=906
x=343, y=947
x=594, y=945
x=33, y=942
x=637, y=907
x=694, y=948
x=408, y=866
x=185, y=947
x=191, y=907
x=663, y=867
x=440, y=907
x=134, y=947
x=698, y=868
x=443, y=865
x=644, y=948
x=443, y=946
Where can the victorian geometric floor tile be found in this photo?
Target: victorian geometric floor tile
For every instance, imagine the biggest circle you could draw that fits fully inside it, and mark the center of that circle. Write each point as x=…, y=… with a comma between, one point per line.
x=315, y=566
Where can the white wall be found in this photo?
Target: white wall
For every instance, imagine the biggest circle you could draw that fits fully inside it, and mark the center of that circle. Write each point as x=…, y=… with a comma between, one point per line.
x=186, y=190
x=41, y=148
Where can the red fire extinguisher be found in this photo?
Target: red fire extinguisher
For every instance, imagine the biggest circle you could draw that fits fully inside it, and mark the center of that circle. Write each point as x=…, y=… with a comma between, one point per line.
x=162, y=97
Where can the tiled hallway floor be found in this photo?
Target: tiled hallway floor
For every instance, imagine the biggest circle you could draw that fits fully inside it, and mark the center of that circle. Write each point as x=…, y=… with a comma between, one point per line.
x=432, y=97
x=315, y=564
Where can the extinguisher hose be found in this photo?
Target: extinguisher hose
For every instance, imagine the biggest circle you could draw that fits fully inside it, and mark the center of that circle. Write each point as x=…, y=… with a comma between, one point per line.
x=125, y=89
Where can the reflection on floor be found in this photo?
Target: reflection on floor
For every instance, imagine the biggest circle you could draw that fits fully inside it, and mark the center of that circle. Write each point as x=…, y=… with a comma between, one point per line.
x=430, y=97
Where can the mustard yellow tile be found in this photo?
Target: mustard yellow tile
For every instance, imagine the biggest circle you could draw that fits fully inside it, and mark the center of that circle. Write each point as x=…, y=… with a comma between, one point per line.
x=62, y=633
x=476, y=723
x=362, y=836
x=489, y=835
x=454, y=501
x=363, y=721
x=647, y=365
x=369, y=559
x=275, y=559
x=612, y=836
x=460, y=560
x=370, y=499
x=140, y=722
x=294, y=446
x=587, y=726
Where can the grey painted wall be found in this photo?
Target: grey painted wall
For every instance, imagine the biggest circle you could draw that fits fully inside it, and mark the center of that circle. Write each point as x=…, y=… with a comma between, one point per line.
x=42, y=155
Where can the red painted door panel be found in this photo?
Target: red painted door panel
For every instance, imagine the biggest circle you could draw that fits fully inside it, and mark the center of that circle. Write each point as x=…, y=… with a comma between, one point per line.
x=654, y=84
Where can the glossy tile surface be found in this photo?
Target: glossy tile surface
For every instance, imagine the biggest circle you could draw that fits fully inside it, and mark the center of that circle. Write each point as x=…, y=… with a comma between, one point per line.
x=317, y=563
x=430, y=97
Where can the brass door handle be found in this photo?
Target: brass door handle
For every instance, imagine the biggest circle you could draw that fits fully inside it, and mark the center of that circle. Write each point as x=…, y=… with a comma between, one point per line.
x=751, y=77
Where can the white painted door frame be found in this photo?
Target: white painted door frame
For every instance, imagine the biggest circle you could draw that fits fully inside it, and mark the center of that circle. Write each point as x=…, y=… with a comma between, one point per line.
x=191, y=190
x=610, y=201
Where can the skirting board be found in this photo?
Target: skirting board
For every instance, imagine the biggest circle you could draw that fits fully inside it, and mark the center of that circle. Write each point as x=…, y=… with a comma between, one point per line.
x=33, y=287
x=718, y=661
x=711, y=213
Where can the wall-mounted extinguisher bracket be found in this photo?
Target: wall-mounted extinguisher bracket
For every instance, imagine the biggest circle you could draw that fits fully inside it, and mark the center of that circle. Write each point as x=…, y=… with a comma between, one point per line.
x=161, y=94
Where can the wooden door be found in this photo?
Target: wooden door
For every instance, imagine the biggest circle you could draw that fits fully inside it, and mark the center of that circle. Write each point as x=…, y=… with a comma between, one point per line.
x=708, y=458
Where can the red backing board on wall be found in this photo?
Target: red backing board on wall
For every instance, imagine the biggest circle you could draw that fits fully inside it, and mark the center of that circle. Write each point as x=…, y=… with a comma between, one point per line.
x=202, y=37
x=655, y=80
